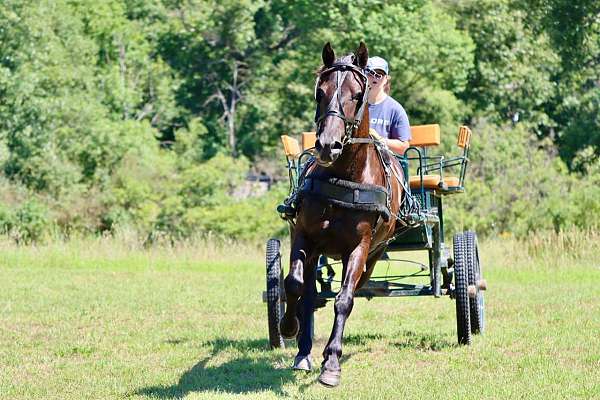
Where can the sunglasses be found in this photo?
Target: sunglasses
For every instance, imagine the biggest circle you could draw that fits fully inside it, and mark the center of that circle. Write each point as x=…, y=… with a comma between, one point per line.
x=375, y=74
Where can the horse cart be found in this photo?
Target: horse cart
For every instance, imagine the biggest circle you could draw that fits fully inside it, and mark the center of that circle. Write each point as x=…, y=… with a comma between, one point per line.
x=457, y=273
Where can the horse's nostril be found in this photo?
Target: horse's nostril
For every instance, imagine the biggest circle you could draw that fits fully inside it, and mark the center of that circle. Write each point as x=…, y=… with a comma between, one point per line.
x=337, y=145
x=318, y=145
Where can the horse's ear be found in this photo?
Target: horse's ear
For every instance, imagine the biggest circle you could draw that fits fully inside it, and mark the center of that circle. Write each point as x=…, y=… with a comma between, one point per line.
x=362, y=55
x=328, y=55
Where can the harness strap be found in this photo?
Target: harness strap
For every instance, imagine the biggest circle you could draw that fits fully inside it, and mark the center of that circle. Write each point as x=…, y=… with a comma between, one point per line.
x=373, y=195
x=348, y=194
x=353, y=140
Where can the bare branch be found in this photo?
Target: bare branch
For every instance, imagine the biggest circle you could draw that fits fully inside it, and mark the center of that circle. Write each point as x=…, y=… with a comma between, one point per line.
x=156, y=118
x=223, y=100
x=290, y=34
x=210, y=99
x=148, y=107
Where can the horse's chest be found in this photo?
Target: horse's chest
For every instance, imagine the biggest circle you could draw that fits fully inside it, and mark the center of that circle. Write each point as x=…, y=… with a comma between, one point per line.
x=335, y=229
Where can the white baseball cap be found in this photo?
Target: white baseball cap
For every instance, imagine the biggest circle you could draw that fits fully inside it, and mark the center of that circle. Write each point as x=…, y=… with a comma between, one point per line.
x=378, y=63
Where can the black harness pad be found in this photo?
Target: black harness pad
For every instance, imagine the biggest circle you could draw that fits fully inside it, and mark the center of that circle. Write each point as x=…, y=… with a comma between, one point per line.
x=348, y=194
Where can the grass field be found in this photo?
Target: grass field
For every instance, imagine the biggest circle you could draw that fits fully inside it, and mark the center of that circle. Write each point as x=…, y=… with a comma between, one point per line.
x=105, y=319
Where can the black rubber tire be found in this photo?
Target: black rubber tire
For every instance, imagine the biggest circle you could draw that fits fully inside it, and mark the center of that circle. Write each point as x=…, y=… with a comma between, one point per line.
x=275, y=291
x=461, y=296
x=476, y=305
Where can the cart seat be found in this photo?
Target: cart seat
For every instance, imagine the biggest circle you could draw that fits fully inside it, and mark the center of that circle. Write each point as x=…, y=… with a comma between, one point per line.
x=290, y=146
x=432, y=181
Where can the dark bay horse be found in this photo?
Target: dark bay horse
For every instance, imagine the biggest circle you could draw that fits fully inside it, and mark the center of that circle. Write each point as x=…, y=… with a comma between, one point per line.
x=348, y=161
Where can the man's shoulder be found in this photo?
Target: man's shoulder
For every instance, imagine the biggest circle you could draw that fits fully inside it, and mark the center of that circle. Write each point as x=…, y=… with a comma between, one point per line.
x=394, y=105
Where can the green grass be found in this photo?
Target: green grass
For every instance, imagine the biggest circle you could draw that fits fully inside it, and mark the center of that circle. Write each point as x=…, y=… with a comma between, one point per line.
x=106, y=319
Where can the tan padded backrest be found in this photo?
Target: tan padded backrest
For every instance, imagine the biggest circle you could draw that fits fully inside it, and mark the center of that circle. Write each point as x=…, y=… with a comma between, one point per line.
x=308, y=140
x=464, y=136
x=425, y=135
x=290, y=146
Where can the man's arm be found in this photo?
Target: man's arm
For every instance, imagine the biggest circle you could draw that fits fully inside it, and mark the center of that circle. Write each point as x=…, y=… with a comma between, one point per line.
x=399, y=133
x=397, y=146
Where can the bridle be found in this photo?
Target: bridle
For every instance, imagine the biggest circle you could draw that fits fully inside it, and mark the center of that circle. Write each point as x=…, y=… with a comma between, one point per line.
x=336, y=107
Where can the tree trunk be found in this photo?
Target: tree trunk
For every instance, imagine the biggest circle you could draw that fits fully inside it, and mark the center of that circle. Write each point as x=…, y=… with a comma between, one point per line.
x=229, y=104
x=232, y=107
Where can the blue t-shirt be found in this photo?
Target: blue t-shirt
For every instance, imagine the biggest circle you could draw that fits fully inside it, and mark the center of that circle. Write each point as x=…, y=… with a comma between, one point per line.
x=389, y=119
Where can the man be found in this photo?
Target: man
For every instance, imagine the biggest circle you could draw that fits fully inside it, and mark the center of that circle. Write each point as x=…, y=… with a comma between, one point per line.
x=387, y=116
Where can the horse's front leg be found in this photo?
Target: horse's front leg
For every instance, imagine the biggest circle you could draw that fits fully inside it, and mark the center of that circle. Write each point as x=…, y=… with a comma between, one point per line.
x=294, y=287
x=303, y=360
x=344, y=301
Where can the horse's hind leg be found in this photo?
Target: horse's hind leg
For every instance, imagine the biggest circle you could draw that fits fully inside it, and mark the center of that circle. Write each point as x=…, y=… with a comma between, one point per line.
x=344, y=301
x=294, y=286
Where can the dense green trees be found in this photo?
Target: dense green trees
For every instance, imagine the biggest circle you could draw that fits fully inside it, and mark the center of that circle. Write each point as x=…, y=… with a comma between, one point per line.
x=538, y=62
x=148, y=113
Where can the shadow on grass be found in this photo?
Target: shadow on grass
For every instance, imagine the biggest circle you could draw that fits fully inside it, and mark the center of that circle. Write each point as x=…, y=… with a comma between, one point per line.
x=403, y=340
x=251, y=369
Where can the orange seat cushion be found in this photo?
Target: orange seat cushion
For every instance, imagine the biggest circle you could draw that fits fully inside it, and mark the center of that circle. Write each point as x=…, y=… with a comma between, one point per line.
x=432, y=181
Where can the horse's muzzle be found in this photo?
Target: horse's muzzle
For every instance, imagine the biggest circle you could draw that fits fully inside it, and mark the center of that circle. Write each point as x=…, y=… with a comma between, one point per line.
x=329, y=152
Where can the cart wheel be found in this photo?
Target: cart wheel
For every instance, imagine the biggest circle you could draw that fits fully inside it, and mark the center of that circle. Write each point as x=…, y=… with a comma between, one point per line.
x=275, y=292
x=463, y=320
x=476, y=304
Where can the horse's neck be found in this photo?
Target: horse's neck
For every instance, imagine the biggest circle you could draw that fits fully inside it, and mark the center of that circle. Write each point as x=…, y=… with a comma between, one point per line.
x=356, y=159
x=352, y=163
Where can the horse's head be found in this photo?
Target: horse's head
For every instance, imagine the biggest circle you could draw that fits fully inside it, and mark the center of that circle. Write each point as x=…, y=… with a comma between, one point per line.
x=341, y=93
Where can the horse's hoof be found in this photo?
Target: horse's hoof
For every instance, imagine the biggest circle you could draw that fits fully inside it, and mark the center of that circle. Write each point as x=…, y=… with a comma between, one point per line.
x=291, y=334
x=330, y=378
x=303, y=363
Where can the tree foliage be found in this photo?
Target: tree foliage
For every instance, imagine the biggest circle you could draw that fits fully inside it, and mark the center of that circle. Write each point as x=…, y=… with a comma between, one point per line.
x=149, y=113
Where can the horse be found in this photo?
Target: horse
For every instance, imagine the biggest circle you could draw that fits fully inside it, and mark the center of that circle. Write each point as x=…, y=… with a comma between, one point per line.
x=348, y=206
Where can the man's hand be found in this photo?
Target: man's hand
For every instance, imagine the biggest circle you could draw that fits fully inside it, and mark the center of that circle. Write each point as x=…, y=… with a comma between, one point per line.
x=376, y=135
x=396, y=145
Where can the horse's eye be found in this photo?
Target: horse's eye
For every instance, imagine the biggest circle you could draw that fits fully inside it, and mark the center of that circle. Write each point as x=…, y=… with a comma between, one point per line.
x=357, y=96
x=319, y=95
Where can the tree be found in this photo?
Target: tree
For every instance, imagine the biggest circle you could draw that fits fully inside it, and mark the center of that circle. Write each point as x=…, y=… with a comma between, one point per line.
x=213, y=47
x=514, y=68
x=79, y=83
x=574, y=32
